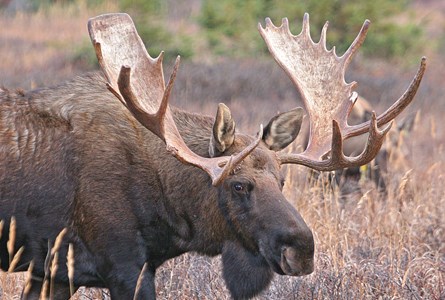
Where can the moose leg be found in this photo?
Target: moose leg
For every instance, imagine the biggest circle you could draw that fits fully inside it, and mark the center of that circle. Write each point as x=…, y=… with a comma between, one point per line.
x=125, y=285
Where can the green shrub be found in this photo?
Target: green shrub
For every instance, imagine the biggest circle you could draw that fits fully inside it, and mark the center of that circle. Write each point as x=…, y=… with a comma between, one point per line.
x=151, y=22
x=230, y=23
x=157, y=38
x=35, y=5
x=84, y=57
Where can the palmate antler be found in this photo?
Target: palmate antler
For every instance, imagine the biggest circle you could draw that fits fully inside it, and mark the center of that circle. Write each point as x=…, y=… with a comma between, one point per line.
x=137, y=80
x=318, y=74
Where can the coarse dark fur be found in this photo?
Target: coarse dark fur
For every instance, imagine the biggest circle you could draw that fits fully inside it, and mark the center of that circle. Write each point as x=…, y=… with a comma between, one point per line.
x=73, y=157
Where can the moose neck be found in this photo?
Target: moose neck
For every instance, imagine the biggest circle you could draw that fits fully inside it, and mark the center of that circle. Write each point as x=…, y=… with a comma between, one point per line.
x=150, y=185
x=190, y=203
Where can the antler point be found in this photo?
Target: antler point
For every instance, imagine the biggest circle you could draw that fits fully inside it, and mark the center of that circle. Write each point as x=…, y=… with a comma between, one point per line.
x=217, y=178
x=323, y=35
x=354, y=97
x=160, y=57
x=373, y=126
x=260, y=27
x=285, y=23
x=305, y=28
x=260, y=133
x=177, y=61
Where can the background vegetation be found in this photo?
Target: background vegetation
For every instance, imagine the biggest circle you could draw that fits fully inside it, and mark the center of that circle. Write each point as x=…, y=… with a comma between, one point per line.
x=368, y=245
x=233, y=20
x=229, y=26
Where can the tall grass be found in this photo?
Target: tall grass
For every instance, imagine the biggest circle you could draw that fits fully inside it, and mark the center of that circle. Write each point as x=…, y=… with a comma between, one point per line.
x=36, y=48
x=367, y=247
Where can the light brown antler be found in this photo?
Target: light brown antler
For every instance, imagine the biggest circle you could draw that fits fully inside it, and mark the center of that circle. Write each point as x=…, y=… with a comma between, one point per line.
x=137, y=80
x=318, y=74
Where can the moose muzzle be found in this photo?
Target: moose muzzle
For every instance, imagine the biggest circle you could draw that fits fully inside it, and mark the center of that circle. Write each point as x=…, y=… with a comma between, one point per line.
x=292, y=263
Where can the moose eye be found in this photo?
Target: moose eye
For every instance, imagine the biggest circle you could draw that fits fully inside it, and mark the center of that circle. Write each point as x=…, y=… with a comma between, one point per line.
x=238, y=187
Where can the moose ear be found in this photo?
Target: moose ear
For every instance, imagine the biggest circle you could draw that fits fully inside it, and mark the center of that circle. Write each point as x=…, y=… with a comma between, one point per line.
x=283, y=129
x=223, y=131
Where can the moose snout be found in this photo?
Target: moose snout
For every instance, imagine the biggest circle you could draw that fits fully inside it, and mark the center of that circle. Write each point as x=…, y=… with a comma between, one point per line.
x=296, y=256
x=293, y=264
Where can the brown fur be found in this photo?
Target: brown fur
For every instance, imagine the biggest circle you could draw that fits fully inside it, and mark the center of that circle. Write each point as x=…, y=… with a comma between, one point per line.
x=73, y=157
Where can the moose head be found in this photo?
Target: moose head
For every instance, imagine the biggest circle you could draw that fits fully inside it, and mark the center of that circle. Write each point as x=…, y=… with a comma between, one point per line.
x=245, y=170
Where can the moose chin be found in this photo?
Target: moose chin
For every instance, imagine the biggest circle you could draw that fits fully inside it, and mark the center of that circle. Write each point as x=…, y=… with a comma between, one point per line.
x=103, y=170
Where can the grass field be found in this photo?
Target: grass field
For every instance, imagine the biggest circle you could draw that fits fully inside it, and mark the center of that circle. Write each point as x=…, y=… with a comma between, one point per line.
x=368, y=245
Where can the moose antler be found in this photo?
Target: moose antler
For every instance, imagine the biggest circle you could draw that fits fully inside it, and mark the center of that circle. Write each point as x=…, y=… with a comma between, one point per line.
x=318, y=74
x=137, y=80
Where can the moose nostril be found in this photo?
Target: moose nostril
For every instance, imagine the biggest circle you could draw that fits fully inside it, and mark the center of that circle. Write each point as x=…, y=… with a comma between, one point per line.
x=288, y=263
x=292, y=263
x=297, y=252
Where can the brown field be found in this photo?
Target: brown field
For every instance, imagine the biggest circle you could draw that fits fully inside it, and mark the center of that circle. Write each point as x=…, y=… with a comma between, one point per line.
x=369, y=245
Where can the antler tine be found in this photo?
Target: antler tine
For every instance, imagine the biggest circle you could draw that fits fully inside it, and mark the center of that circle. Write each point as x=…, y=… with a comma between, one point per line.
x=373, y=145
x=318, y=74
x=137, y=80
x=306, y=29
x=356, y=44
x=394, y=110
x=323, y=35
x=337, y=159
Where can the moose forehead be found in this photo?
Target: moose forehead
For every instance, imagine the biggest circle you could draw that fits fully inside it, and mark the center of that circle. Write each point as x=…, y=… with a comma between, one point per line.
x=261, y=160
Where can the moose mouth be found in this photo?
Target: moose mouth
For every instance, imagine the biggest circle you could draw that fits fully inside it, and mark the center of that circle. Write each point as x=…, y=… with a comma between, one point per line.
x=292, y=264
x=289, y=262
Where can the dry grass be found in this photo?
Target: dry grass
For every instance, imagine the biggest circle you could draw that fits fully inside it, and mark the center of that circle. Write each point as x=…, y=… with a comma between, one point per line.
x=36, y=48
x=368, y=246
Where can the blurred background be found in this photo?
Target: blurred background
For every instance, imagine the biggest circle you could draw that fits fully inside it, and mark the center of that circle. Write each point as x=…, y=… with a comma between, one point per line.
x=387, y=246
x=224, y=58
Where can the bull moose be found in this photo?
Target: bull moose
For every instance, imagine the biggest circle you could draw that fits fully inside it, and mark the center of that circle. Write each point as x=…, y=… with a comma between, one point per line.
x=133, y=181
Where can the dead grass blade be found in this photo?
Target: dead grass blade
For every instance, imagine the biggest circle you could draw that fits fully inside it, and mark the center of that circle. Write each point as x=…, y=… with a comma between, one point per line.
x=28, y=282
x=70, y=267
x=16, y=259
x=140, y=280
x=11, y=241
